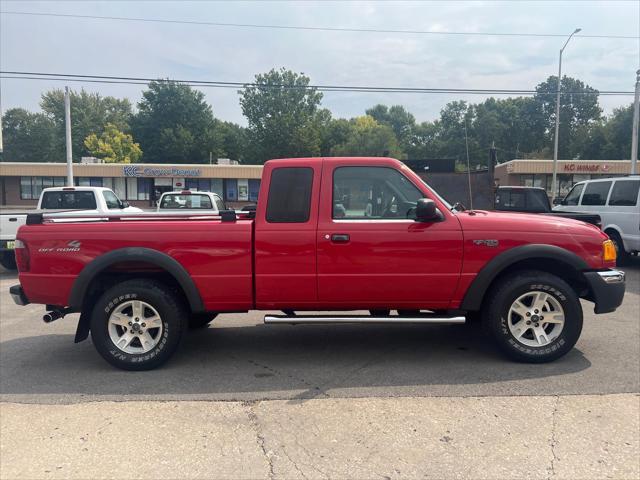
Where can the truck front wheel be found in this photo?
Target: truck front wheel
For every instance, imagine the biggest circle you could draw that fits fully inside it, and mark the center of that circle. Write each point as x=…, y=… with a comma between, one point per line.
x=533, y=316
x=137, y=325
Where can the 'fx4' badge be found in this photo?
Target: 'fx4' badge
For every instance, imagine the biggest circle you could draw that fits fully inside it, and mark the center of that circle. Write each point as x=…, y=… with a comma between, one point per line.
x=487, y=243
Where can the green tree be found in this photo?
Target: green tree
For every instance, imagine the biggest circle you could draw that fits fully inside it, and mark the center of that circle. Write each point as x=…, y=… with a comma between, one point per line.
x=401, y=121
x=29, y=137
x=368, y=138
x=578, y=109
x=174, y=124
x=113, y=146
x=334, y=132
x=90, y=112
x=233, y=140
x=283, y=116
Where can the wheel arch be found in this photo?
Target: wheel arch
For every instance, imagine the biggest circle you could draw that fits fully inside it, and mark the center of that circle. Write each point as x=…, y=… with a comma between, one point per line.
x=549, y=258
x=93, y=271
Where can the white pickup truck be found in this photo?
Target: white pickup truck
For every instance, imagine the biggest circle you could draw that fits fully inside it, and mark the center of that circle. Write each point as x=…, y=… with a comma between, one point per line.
x=187, y=201
x=82, y=200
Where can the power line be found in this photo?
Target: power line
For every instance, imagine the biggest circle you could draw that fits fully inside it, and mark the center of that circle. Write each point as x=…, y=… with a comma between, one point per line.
x=242, y=85
x=299, y=27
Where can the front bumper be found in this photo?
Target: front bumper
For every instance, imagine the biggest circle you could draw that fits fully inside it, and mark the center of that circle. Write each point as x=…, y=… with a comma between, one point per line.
x=18, y=295
x=607, y=289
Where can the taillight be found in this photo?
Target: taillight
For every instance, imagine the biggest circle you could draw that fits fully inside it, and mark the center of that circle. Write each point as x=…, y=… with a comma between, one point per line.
x=22, y=256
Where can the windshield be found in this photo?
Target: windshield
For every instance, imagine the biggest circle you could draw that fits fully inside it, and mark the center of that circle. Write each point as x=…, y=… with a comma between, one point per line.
x=186, y=202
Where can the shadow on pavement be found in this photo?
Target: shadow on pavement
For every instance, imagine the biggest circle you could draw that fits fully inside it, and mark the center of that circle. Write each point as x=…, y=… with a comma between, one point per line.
x=298, y=361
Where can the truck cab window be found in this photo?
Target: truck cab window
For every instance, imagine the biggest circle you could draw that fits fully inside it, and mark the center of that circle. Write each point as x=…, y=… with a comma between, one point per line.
x=366, y=193
x=290, y=195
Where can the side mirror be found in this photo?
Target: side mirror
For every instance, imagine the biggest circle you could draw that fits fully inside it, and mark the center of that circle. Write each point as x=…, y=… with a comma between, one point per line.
x=426, y=211
x=558, y=201
x=124, y=204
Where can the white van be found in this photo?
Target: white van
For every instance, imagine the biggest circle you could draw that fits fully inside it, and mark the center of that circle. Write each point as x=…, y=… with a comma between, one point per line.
x=616, y=201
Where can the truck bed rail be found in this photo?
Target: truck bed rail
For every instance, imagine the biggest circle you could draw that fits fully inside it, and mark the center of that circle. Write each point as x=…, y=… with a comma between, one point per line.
x=41, y=218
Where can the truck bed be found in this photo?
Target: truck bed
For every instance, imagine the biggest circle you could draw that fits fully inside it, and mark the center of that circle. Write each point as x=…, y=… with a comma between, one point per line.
x=216, y=254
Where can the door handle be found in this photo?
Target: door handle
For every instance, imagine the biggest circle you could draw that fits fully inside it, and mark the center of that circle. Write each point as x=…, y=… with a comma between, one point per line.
x=340, y=238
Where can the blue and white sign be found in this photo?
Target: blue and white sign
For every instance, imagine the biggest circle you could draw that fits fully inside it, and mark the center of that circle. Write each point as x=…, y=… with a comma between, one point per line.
x=142, y=171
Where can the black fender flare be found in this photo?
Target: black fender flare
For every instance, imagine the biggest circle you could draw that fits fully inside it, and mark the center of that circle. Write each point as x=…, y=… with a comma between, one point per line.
x=474, y=296
x=129, y=254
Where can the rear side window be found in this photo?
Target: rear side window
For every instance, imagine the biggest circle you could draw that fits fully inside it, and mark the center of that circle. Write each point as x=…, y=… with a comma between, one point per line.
x=290, y=195
x=625, y=193
x=596, y=193
x=574, y=195
x=186, y=202
x=111, y=200
x=69, y=200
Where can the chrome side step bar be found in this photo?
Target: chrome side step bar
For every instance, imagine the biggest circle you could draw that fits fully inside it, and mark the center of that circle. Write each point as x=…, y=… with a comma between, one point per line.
x=327, y=319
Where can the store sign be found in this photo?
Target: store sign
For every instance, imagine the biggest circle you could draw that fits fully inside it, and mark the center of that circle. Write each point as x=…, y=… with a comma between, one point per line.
x=142, y=171
x=586, y=167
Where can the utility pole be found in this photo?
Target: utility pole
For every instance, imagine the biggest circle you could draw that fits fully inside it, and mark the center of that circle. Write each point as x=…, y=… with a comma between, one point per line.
x=634, y=133
x=555, y=141
x=493, y=158
x=67, y=130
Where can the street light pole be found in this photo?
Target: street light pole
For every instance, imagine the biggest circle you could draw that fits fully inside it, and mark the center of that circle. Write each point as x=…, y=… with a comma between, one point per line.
x=634, y=137
x=67, y=131
x=555, y=141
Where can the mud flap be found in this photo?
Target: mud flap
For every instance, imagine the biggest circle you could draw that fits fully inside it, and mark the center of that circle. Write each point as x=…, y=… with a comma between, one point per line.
x=82, y=332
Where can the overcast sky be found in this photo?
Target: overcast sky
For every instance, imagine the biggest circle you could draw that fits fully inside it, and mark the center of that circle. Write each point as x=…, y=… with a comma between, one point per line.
x=135, y=49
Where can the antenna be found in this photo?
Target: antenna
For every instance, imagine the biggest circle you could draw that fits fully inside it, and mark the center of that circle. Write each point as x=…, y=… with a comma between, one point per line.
x=466, y=143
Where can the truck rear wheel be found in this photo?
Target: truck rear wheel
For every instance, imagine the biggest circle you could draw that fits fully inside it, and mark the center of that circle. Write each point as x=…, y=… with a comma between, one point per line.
x=137, y=325
x=533, y=317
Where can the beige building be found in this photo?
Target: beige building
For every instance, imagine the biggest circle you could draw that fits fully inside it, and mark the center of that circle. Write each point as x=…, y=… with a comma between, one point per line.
x=538, y=173
x=140, y=184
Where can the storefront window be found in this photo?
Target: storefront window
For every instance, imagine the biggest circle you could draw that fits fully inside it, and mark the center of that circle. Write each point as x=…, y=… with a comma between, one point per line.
x=217, y=186
x=144, y=188
x=243, y=189
x=119, y=187
x=25, y=188
x=132, y=188
x=254, y=188
x=231, y=189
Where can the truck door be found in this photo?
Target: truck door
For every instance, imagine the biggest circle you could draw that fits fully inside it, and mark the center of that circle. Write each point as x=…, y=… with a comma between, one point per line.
x=370, y=254
x=285, y=235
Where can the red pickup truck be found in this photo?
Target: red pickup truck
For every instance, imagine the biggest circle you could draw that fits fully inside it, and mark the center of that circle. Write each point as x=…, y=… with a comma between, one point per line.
x=328, y=234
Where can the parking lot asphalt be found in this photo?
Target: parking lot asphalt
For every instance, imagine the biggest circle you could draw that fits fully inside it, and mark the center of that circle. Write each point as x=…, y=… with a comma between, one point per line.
x=239, y=358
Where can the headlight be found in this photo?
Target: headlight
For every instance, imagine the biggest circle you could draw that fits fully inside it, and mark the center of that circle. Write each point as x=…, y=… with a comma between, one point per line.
x=608, y=251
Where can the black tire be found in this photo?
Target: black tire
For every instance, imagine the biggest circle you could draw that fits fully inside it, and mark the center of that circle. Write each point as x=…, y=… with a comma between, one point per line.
x=172, y=314
x=507, y=291
x=8, y=260
x=622, y=256
x=201, y=320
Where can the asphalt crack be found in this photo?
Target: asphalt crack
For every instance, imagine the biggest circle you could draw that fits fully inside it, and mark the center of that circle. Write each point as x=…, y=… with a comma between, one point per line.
x=255, y=423
x=553, y=443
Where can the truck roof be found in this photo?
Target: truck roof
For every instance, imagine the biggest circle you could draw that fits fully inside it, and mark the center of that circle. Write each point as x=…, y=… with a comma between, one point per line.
x=75, y=188
x=367, y=160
